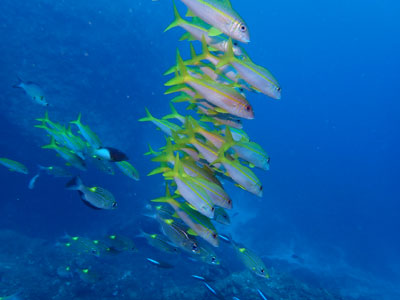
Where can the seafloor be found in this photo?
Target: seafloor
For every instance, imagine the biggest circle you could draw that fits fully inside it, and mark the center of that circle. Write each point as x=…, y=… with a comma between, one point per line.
x=32, y=266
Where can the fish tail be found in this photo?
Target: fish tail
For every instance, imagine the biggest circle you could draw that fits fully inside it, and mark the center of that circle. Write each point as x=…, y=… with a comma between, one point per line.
x=187, y=36
x=151, y=151
x=160, y=200
x=45, y=119
x=41, y=168
x=228, y=56
x=181, y=64
x=177, y=21
x=229, y=142
x=174, y=81
x=141, y=234
x=18, y=84
x=74, y=184
x=159, y=171
x=174, y=114
x=52, y=144
x=183, y=97
x=181, y=73
x=77, y=121
x=148, y=117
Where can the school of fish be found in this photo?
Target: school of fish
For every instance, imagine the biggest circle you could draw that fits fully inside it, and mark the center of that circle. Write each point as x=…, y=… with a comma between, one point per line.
x=204, y=149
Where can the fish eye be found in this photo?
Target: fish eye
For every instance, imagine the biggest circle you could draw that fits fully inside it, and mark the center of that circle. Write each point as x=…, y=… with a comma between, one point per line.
x=229, y=201
x=94, y=251
x=262, y=271
x=278, y=89
x=194, y=247
x=213, y=259
x=213, y=209
x=261, y=188
x=243, y=28
x=114, y=205
x=214, y=235
x=235, y=43
x=248, y=108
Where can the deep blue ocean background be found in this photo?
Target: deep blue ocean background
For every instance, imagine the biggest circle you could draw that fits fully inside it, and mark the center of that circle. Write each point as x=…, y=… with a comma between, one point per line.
x=332, y=194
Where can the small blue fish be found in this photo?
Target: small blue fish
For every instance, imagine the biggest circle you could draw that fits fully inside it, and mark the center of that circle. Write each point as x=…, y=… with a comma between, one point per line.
x=214, y=292
x=159, y=264
x=261, y=294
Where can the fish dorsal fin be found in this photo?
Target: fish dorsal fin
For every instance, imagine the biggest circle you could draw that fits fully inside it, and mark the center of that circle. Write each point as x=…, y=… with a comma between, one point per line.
x=192, y=232
x=227, y=3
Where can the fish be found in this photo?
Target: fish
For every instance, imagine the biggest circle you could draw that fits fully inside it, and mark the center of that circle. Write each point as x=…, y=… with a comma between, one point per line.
x=91, y=137
x=32, y=182
x=252, y=261
x=226, y=238
x=71, y=158
x=237, y=134
x=251, y=152
x=159, y=263
x=81, y=245
x=177, y=234
x=174, y=114
x=197, y=29
x=200, y=224
x=190, y=190
x=64, y=272
x=110, y=154
x=88, y=276
x=217, y=121
x=213, y=291
x=51, y=124
x=128, y=170
x=74, y=143
x=258, y=77
x=223, y=96
x=94, y=197
x=221, y=216
x=261, y=294
x=159, y=241
x=164, y=125
x=220, y=15
x=54, y=171
x=120, y=243
x=242, y=175
x=57, y=135
x=207, y=150
x=207, y=255
x=103, y=165
x=190, y=166
x=13, y=165
x=33, y=90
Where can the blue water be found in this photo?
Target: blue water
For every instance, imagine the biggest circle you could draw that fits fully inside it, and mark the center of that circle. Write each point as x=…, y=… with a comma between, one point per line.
x=331, y=196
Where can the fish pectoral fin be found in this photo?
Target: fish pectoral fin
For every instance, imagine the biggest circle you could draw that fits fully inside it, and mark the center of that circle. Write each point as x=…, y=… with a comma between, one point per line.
x=192, y=232
x=90, y=205
x=214, y=32
x=239, y=186
x=190, y=14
